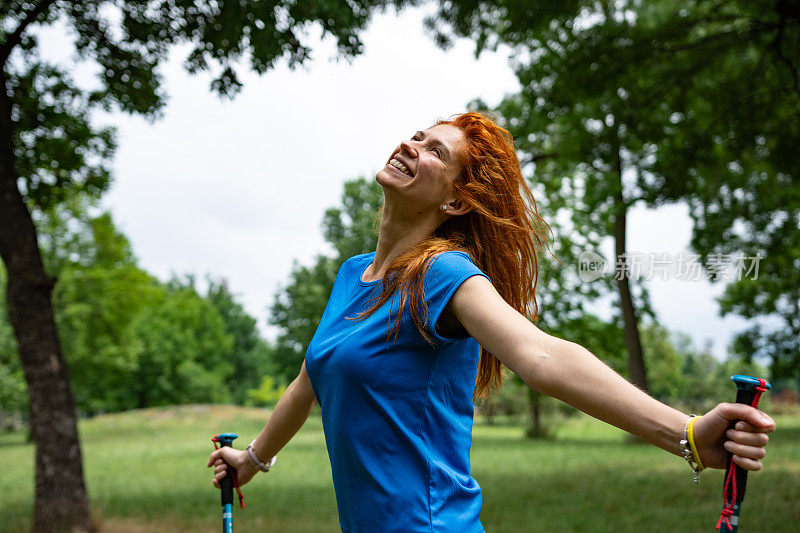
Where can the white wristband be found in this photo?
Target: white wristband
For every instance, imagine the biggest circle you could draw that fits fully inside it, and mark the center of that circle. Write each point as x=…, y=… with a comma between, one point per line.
x=254, y=460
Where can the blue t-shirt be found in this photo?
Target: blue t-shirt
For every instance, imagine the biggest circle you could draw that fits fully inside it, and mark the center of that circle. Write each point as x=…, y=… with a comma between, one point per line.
x=397, y=415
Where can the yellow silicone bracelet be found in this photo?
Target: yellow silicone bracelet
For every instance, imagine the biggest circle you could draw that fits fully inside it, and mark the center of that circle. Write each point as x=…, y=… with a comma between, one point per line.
x=690, y=438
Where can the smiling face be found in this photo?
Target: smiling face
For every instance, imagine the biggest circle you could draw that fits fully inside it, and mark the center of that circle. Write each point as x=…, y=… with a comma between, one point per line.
x=419, y=174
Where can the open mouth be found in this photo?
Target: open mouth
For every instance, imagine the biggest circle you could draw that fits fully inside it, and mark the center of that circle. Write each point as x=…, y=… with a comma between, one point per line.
x=401, y=167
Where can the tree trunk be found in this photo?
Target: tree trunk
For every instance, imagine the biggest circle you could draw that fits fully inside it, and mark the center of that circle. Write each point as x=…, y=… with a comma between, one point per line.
x=633, y=343
x=535, y=430
x=61, y=501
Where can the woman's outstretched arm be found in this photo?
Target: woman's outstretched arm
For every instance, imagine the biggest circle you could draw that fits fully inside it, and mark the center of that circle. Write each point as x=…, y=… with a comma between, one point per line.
x=289, y=415
x=569, y=372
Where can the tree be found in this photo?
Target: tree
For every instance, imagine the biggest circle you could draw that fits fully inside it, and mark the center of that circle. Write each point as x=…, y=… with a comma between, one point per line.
x=594, y=144
x=12, y=381
x=99, y=292
x=181, y=350
x=731, y=85
x=298, y=307
x=250, y=354
x=49, y=150
x=664, y=361
x=705, y=381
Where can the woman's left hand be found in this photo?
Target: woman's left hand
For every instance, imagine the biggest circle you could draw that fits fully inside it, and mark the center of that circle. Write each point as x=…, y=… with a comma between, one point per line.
x=746, y=441
x=220, y=459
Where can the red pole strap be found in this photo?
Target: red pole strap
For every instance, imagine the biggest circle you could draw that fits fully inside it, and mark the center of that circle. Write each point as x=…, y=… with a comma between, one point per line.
x=762, y=387
x=730, y=481
x=727, y=505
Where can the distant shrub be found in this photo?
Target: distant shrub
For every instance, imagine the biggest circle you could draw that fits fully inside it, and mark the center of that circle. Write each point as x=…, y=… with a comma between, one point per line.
x=267, y=394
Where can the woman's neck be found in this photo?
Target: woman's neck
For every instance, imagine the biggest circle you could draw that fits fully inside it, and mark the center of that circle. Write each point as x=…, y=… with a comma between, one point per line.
x=397, y=235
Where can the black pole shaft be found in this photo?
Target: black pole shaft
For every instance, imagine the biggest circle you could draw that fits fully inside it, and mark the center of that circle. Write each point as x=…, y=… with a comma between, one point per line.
x=227, y=488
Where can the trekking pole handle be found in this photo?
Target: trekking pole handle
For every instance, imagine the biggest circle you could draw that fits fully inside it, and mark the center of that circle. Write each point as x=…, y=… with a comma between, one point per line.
x=226, y=484
x=748, y=392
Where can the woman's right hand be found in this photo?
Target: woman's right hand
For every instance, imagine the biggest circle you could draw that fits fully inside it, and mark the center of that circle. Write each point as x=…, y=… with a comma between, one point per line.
x=220, y=459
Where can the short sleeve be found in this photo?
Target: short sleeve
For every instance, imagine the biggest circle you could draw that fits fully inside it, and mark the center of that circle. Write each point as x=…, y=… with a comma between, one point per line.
x=445, y=275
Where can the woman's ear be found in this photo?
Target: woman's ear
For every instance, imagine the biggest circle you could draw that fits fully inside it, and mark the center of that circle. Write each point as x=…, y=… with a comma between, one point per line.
x=457, y=207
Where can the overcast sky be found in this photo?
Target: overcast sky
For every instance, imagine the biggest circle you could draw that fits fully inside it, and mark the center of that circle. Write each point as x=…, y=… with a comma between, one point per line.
x=238, y=189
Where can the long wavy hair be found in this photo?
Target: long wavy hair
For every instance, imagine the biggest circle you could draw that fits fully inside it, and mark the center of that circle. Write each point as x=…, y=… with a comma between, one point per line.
x=501, y=233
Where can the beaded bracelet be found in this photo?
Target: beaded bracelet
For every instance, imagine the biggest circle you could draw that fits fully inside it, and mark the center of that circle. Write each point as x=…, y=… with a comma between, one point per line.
x=251, y=456
x=689, y=449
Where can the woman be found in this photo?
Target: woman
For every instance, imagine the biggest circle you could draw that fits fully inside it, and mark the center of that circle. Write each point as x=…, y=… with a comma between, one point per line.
x=395, y=365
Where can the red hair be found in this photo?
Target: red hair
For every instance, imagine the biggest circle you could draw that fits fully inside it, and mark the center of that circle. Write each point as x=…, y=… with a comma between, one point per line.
x=501, y=234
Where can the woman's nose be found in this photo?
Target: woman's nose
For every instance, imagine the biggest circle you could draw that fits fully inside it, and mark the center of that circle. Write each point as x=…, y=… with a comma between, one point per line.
x=408, y=147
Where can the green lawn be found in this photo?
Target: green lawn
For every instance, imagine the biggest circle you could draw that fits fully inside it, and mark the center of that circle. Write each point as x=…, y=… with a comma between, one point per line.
x=146, y=473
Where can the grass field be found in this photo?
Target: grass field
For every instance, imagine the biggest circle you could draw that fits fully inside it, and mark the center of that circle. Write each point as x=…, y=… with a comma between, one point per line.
x=146, y=473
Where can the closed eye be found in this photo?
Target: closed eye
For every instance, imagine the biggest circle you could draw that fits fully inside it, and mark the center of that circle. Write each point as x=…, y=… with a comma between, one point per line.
x=416, y=137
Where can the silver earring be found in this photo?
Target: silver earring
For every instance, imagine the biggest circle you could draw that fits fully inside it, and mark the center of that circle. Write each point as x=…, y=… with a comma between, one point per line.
x=444, y=207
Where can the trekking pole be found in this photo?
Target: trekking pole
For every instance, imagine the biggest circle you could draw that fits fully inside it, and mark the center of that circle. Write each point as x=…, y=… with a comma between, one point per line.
x=227, y=484
x=748, y=391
